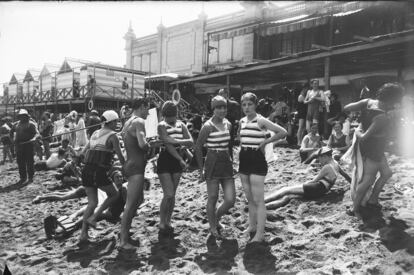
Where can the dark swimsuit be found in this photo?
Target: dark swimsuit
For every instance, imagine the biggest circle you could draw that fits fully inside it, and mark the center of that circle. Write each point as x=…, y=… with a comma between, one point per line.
x=374, y=146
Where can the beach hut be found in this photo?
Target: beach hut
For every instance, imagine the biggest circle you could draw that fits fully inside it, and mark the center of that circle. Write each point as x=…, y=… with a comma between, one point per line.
x=109, y=79
x=68, y=72
x=47, y=77
x=30, y=81
x=15, y=84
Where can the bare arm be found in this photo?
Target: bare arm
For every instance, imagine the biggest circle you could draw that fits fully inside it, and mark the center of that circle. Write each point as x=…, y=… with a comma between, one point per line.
x=140, y=134
x=307, y=100
x=202, y=138
x=301, y=98
x=163, y=135
x=330, y=141
x=324, y=172
x=279, y=131
x=304, y=145
x=356, y=106
x=345, y=175
x=117, y=148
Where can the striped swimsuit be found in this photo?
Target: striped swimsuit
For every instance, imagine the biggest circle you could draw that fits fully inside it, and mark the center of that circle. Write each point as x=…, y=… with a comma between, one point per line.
x=166, y=162
x=252, y=160
x=218, y=164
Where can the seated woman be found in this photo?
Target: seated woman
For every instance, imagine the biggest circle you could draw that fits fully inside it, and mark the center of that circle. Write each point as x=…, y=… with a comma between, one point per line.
x=310, y=143
x=54, y=161
x=338, y=141
x=316, y=188
x=71, y=173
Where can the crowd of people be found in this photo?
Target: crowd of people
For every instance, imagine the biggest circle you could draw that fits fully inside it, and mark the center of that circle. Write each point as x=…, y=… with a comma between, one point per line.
x=96, y=158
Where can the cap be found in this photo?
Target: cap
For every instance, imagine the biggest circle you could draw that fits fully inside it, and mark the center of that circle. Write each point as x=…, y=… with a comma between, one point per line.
x=169, y=109
x=94, y=112
x=218, y=101
x=110, y=115
x=23, y=112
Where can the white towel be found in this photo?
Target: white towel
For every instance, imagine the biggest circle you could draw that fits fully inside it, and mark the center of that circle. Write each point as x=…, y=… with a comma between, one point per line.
x=353, y=159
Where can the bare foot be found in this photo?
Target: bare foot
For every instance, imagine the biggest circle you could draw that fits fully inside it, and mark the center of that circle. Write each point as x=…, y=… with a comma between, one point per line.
x=249, y=230
x=126, y=246
x=257, y=239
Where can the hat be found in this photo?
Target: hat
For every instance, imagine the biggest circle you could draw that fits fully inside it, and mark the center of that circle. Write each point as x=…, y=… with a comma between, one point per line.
x=218, y=101
x=169, y=109
x=110, y=115
x=324, y=151
x=23, y=112
x=94, y=112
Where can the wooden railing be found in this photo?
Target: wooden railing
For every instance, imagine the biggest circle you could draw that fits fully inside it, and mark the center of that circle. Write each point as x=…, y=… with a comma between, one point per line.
x=104, y=92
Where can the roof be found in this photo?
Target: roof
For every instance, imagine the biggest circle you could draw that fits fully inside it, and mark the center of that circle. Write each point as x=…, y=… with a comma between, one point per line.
x=49, y=69
x=31, y=75
x=165, y=76
x=16, y=78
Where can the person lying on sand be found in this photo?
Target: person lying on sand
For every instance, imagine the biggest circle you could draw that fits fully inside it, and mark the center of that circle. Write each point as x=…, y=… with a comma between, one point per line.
x=54, y=161
x=316, y=188
x=62, y=196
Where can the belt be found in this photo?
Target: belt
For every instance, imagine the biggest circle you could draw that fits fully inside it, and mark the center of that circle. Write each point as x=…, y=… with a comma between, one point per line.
x=217, y=150
x=246, y=148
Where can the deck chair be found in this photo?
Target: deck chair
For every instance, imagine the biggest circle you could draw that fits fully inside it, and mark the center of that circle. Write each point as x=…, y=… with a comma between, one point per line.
x=60, y=227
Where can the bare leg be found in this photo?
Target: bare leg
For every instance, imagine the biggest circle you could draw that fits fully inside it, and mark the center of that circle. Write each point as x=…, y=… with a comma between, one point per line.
x=288, y=190
x=385, y=175
x=368, y=178
x=301, y=131
x=212, y=191
x=112, y=194
x=308, y=124
x=176, y=180
x=91, y=192
x=167, y=201
x=252, y=206
x=229, y=191
x=134, y=197
x=257, y=187
x=281, y=202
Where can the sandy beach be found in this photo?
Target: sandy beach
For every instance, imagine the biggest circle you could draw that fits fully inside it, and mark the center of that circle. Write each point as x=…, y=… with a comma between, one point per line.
x=305, y=237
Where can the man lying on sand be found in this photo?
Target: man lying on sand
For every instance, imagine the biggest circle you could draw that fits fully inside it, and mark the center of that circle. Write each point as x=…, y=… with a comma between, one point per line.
x=316, y=188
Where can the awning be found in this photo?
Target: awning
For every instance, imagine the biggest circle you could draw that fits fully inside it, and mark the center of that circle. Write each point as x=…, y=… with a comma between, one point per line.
x=300, y=25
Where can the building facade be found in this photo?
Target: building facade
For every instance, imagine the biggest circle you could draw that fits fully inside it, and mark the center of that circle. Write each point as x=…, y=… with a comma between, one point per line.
x=242, y=50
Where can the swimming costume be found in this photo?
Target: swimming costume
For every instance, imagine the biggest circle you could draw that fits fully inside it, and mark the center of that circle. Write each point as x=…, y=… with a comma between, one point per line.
x=218, y=164
x=374, y=146
x=338, y=142
x=302, y=109
x=167, y=163
x=314, y=190
x=117, y=207
x=251, y=159
x=99, y=154
x=95, y=176
x=313, y=107
x=136, y=157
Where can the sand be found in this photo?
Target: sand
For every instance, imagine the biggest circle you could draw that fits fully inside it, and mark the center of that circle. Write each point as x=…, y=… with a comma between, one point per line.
x=305, y=237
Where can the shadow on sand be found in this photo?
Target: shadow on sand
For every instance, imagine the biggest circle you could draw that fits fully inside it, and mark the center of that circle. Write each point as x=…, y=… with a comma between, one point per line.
x=13, y=187
x=219, y=257
x=165, y=249
x=258, y=259
x=392, y=233
x=85, y=254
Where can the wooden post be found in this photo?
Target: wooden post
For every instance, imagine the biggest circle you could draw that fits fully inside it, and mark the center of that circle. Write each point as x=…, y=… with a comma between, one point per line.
x=327, y=78
x=132, y=86
x=228, y=85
